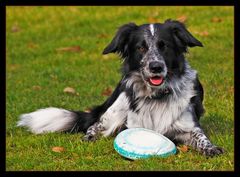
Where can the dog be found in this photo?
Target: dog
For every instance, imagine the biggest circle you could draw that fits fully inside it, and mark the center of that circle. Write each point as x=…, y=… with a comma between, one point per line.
x=158, y=90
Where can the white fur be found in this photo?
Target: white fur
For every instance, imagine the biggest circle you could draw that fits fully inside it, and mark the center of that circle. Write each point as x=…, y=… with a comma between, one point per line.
x=152, y=29
x=185, y=121
x=115, y=115
x=47, y=120
x=162, y=116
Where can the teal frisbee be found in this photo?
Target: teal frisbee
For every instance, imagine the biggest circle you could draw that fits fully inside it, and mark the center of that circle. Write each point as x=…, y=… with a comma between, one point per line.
x=140, y=143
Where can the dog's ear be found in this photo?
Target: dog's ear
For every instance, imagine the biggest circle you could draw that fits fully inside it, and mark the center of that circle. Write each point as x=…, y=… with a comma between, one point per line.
x=182, y=36
x=120, y=40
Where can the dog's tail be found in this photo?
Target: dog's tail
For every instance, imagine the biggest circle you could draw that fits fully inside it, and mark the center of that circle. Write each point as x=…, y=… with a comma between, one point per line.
x=61, y=120
x=58, y=120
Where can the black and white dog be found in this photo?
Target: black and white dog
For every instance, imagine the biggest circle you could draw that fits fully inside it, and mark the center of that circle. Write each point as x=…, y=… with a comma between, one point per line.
x=158, y=91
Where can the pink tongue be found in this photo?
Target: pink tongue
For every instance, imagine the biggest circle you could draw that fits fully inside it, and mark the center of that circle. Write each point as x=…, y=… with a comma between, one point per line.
x=156, y=80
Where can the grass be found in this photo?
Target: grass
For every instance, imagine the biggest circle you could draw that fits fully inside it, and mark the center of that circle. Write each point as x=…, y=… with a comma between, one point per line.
x=37, y=75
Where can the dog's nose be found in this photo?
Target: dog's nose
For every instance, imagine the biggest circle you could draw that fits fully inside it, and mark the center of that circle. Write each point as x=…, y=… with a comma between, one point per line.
x=156, y=66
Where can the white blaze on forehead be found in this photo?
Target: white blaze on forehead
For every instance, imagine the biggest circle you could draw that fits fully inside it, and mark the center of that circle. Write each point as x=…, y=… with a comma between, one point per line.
x=152, y=29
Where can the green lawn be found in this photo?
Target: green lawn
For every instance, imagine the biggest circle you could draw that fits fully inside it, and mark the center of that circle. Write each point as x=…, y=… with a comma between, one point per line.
x=38, y=70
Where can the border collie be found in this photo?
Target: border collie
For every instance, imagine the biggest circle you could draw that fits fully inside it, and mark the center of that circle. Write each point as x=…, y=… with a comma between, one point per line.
x=158, y=91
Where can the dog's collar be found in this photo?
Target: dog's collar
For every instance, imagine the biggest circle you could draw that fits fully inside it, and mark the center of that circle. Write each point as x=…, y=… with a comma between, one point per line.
x=162, y=93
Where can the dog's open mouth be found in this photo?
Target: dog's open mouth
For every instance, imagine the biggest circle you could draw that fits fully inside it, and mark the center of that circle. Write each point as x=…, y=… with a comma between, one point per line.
x=156, y=80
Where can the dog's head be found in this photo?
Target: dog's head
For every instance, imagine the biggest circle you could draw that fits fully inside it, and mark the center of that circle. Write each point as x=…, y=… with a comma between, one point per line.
x=154, y=50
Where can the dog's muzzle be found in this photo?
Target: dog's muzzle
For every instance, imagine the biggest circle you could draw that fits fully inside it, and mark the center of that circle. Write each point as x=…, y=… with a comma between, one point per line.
x=156, y=73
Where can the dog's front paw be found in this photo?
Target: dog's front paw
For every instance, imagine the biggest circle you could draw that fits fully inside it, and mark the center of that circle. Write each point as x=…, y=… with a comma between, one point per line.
x=89, y=138
x=213, y=151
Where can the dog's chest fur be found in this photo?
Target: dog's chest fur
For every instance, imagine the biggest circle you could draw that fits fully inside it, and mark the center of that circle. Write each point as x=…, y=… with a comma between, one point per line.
x=157, y=115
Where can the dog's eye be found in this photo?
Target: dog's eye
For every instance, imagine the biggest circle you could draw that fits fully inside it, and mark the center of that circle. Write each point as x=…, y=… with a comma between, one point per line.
x=161, y=45
x=142, y=49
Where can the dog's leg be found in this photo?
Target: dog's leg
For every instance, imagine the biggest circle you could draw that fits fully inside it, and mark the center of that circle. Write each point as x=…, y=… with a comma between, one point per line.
x=199, y=141
x=111, y=121
x=192, y=134
x=93, y=132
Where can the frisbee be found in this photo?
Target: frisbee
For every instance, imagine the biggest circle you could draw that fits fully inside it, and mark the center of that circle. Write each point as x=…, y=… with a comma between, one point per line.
x=139, y=143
